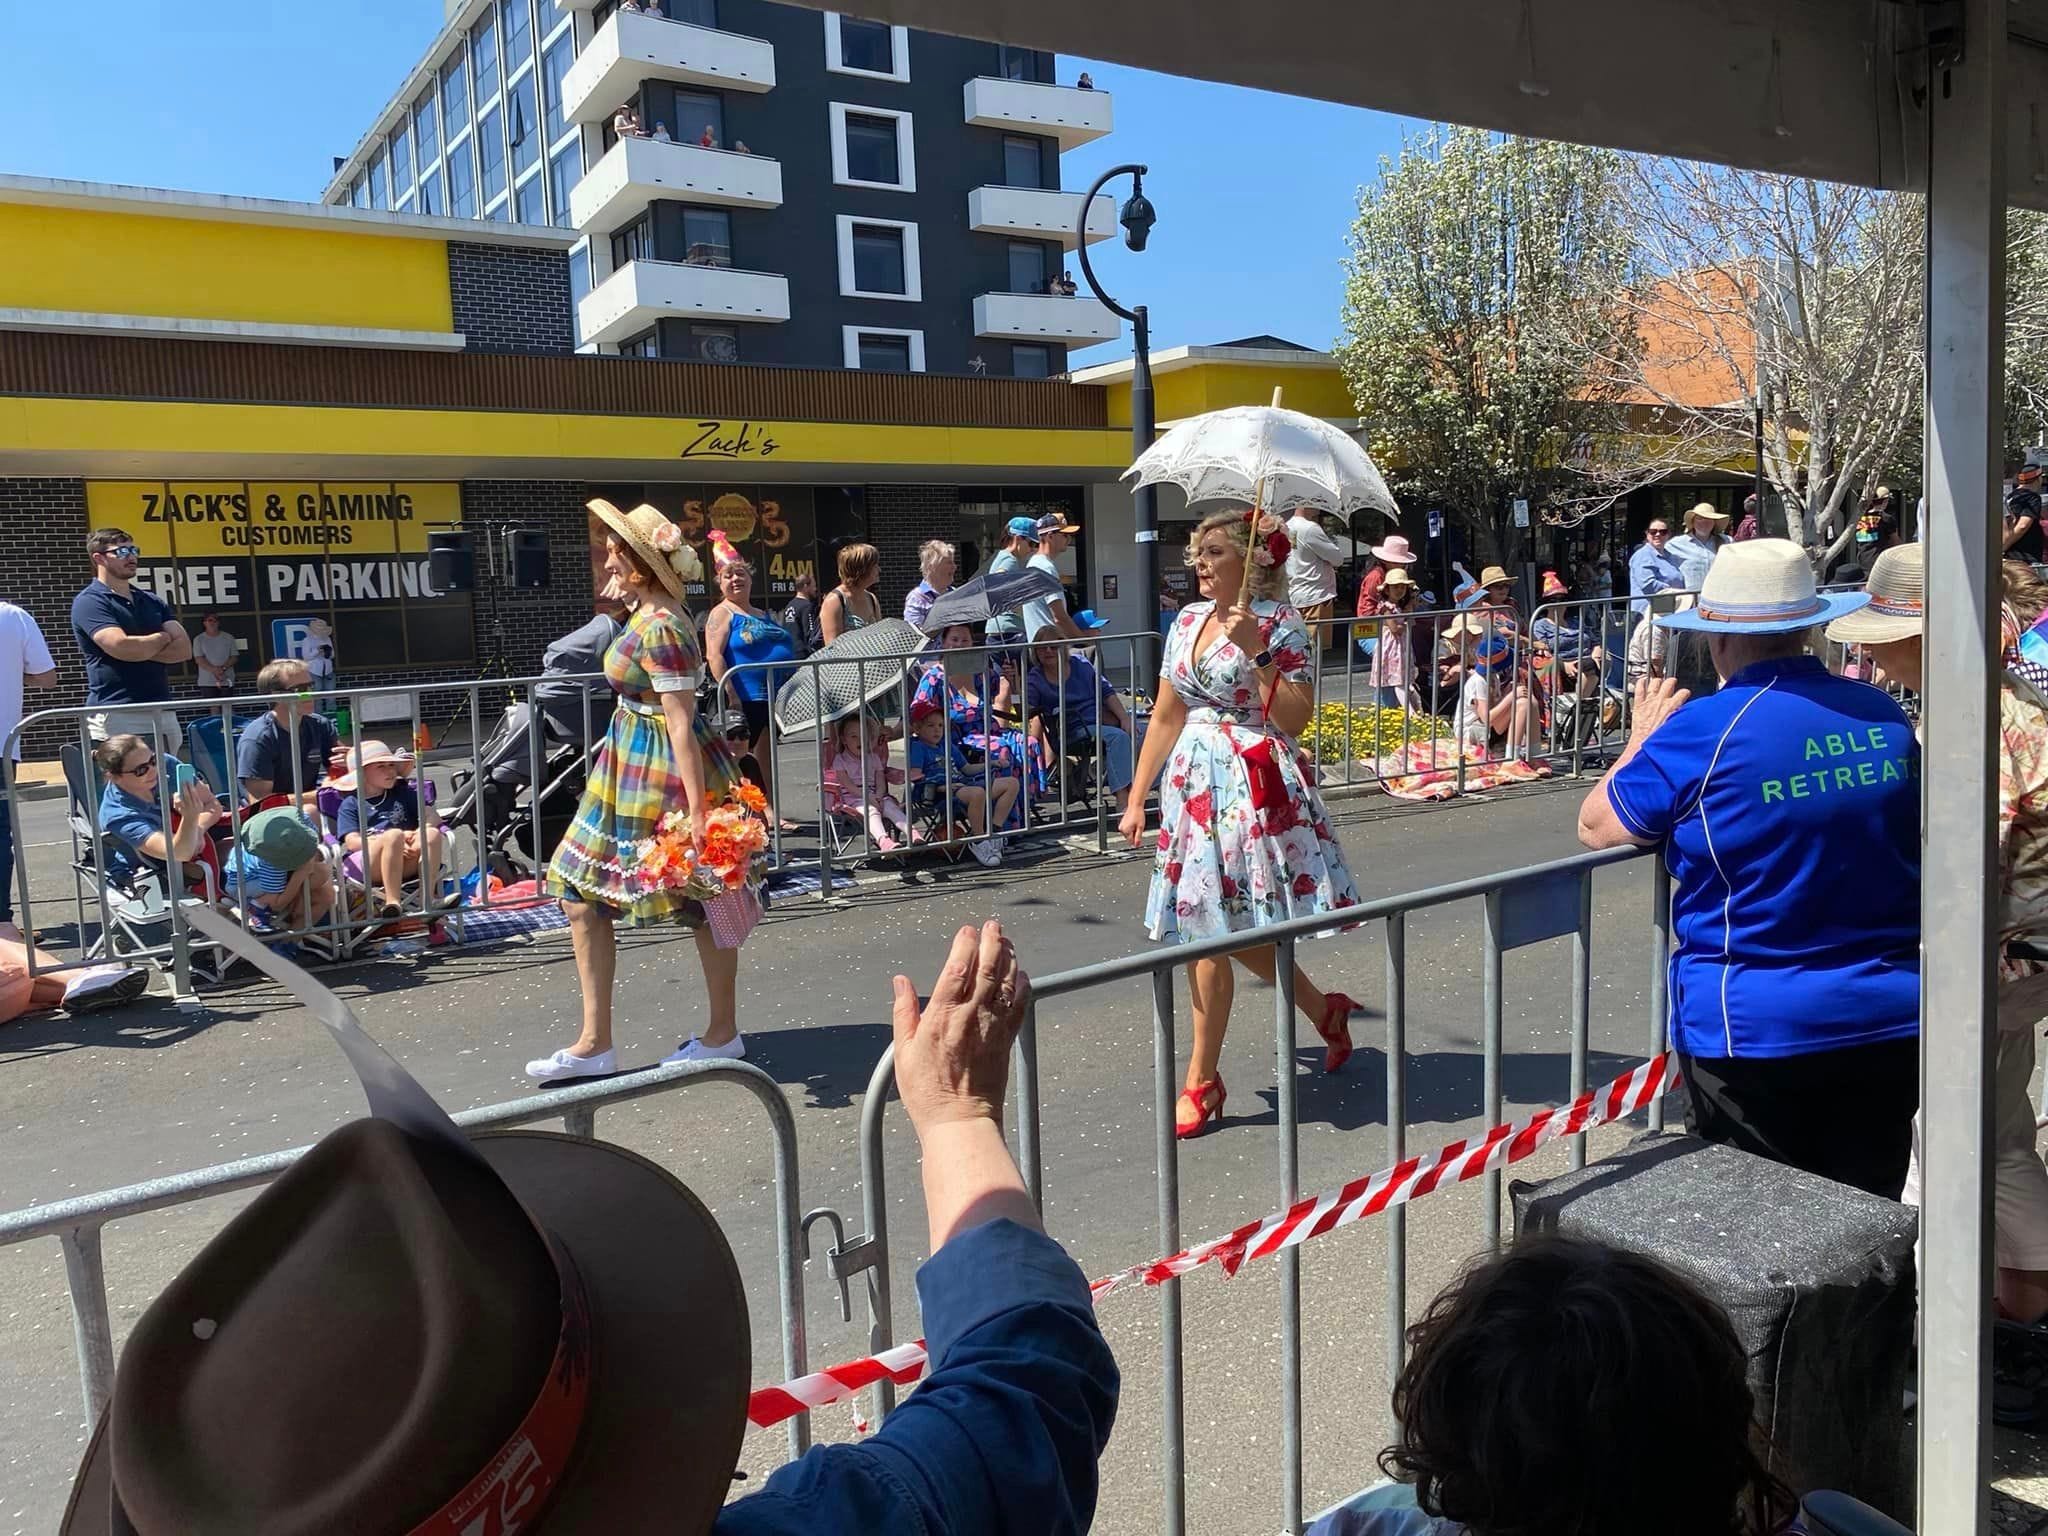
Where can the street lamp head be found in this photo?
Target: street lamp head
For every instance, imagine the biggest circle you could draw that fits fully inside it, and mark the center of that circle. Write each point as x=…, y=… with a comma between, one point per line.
x=1137, y=216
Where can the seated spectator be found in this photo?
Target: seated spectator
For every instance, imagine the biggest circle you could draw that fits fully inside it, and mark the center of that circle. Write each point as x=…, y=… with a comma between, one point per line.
x=1787, y=806
x=1563, y=1388
x=739, y=147
x=661, y=134
x=932, y=757
x=276, y=874
x=422, y=1251
x=1496, y=712
x=52, y=986
x=1062, y=686
x=858, y=779
x=290, y=744
x=396, y=836
x=133, y=823
x=707, y=139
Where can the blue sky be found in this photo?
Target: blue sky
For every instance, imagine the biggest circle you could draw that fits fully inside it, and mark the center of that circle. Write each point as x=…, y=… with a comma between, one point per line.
x=1254, y=191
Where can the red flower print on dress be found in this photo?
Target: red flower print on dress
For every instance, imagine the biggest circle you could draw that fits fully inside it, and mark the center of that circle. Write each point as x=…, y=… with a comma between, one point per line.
x=1200, y=809
x=1229, y=888
x=1173, y=874
x=1304, y=885
x=1161, y=845
x=1287, y=659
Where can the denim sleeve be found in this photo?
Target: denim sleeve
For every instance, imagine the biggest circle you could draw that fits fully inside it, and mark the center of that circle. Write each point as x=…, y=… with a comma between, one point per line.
x=1004, y=1434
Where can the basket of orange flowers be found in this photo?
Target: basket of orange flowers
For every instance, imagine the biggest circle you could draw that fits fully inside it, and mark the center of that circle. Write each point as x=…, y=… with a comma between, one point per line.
x=722, y=869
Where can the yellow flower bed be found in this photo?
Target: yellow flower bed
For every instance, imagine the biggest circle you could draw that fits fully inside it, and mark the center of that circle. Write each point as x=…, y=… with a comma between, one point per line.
x=1338, y=732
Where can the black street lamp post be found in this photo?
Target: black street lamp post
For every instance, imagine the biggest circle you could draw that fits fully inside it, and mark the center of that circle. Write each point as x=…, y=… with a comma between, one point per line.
x=1137, y=218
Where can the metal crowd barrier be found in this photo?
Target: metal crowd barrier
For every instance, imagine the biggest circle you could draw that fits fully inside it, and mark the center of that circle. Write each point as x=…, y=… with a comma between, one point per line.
x=798, y=763
x=1519, y=908
x=78, y=1223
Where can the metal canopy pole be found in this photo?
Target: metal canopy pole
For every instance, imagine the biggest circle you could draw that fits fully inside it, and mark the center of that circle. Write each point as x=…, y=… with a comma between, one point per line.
x=1959, y=871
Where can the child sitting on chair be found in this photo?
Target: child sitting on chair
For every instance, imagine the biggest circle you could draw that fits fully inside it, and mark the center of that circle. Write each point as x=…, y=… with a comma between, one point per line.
x=930, y=753
x=404, y=837
x=859, y=780
x=277, y=874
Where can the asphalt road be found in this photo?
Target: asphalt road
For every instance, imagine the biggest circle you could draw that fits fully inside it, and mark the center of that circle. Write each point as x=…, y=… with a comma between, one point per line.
x=116, y=1098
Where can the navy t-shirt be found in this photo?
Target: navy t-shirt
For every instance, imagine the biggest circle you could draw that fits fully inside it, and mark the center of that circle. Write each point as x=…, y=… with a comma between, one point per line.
x=109, y=680
x=1789, y=809
x=264, y=750
x=398, y=806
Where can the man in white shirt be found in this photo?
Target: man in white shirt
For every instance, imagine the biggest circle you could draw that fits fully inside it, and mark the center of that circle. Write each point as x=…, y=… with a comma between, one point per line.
x=213, y=654
x=1312, y=569
x=316, y=650
x=1054, y=535
x=25, y=662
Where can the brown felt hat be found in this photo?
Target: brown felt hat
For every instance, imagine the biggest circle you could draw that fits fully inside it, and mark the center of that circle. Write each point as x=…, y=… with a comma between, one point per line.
x=403, y=1333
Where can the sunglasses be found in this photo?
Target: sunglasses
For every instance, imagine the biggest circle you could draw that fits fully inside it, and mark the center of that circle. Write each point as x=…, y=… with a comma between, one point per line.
x=123, y=552
x=140, y=768
x=1657, y=533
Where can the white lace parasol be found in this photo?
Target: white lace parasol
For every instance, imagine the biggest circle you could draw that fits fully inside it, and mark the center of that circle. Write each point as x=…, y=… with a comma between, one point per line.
x=1279, y=458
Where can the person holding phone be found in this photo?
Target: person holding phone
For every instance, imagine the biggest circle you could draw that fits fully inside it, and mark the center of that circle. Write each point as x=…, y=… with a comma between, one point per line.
x=131, y=820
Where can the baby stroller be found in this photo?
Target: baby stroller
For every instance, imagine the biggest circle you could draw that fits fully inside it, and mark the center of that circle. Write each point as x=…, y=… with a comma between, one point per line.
x=516, y=829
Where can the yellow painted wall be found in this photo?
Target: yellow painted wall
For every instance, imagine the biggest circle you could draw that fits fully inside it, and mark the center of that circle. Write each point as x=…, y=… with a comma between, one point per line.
x=148, y=264
x=1210, y=386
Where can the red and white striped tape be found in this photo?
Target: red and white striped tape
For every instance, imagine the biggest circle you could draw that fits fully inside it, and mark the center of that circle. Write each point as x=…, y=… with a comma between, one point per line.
x=1409, y=1179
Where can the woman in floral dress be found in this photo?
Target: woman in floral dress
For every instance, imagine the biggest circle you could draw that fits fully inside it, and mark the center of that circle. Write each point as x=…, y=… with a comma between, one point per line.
x=1244, y=839
x=659, y=756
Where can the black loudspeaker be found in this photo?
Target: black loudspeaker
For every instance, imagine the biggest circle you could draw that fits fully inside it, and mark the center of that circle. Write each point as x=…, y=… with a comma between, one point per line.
x=527, y=551
x=451, y=560
x=1816, y=1277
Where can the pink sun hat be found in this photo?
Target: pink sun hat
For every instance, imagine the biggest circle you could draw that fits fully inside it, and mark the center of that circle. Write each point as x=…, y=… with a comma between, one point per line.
x=1395, y=551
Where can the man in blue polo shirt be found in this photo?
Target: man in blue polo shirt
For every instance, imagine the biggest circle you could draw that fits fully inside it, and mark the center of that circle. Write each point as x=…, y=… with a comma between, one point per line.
x=1788, y=809
x=129, y=640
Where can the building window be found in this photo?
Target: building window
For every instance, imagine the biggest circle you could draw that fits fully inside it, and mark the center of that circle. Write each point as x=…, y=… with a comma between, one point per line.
x=523, y=125
x=633, y=243
x=1027, y=266
x=698, y=13
x=1030, y=360
x=564, y=171
x=401, y=163
x=856, y=47
x=1023, y=161
x=883, y=351
x=377, y=183
x=579, y=286
x=518, y=33
x=878, y=259
x=490, y=151
x=426, y=130
x=553, y=66
x=1017, y=63
x=696, y=111
x=643, y=345
x=461, y=182
x=707, y=237
x=714, y=344
x=455, y=94
x=483, y=48
x=500, y=211
x=533, y=204
x=359, y=194
x=430, y=191
x=873, y=147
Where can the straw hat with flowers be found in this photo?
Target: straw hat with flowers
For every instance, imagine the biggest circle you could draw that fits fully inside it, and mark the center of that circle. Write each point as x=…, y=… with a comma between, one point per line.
x=657, y=543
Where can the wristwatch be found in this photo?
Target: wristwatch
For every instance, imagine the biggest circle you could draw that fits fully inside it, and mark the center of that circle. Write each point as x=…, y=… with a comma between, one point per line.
x=1262, y=661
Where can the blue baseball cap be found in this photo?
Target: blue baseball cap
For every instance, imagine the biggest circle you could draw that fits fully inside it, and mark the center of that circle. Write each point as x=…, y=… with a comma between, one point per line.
x=1022, y=528
x=1088, y=619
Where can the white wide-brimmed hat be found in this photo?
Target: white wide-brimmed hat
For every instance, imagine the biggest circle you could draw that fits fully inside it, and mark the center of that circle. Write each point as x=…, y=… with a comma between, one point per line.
x=1897, y=609
x=1395, y=551
x=1762, y=587
x=369, y=755
x=1708, y=509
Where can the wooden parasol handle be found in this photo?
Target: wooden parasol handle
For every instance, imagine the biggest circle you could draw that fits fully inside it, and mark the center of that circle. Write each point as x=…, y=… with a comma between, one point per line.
x=1251, y=527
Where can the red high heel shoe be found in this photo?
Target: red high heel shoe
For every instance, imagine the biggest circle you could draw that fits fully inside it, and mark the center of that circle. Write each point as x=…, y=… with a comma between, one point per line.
x=1206, y=1108
x=1335, y=1028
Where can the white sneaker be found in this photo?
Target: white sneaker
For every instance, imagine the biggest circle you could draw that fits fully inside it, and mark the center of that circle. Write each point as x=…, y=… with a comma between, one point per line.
x=104, y=986
x=562, y=1066
x=694, y=1049
x=988, y=851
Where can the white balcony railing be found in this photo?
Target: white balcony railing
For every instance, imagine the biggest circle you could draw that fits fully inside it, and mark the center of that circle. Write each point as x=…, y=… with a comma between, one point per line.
x=643, y=292
x=1033, y=212
x=1076, y=322
x=634, y=172
x=1064, y=112
x=633, y=46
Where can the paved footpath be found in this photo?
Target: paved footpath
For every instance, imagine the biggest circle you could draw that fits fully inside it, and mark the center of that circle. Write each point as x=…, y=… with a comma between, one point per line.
x=154, y=1090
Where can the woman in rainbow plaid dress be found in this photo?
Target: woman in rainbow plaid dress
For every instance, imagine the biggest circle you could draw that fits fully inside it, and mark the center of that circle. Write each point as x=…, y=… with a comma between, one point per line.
x=659, y=756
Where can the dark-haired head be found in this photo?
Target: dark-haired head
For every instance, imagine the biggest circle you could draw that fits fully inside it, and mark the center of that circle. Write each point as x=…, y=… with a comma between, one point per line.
x=1564, y=1388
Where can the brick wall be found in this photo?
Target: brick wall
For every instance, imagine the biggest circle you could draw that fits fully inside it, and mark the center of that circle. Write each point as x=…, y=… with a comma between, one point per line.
x=511, y=298
x=43, y=565
x=900, y=518
x=531, y=619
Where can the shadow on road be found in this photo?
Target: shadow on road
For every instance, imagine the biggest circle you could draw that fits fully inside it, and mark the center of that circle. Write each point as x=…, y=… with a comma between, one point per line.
x=147, y=1026
x=1444, y=1087
x=830, y=1062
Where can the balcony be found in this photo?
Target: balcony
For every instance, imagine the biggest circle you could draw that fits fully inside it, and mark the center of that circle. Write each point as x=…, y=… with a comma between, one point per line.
x=1033, y=213
x=633, y=46
x=642, y=292
x=1075, y=322
x=1063, y=112
x=634, y=172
